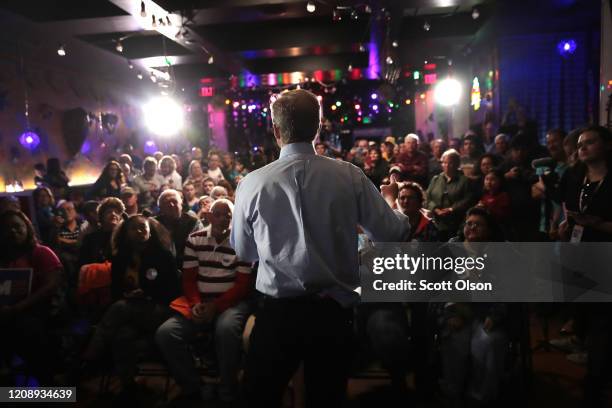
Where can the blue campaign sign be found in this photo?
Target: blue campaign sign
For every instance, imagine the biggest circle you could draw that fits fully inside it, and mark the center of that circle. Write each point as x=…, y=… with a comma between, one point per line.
x=15, y=284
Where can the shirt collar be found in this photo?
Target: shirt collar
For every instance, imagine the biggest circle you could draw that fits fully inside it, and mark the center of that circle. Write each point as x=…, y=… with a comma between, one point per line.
x=296, y=148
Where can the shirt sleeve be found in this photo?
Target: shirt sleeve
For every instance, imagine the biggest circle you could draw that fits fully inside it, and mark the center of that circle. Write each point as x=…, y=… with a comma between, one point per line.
x=378, y=220
x=242, y=238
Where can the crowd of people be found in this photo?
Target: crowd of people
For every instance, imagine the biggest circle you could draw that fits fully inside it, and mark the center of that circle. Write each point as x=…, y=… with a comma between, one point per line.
x=144, y=255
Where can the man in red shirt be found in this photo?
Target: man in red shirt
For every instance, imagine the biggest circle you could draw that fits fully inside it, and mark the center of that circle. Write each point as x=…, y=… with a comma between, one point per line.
x=413, y=162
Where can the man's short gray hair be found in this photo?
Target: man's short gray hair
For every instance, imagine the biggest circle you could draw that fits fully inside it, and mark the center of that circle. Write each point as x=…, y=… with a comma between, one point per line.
x=168, y=192
x=297, y=115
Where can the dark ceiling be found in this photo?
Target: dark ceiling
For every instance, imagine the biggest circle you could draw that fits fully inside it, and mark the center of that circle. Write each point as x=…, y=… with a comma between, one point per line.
x=265, y=36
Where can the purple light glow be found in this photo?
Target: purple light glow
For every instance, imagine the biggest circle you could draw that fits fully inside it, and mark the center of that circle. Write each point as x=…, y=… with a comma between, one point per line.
x=566, y=47
x=374, y=96
x=150, y=147
x=29, y=140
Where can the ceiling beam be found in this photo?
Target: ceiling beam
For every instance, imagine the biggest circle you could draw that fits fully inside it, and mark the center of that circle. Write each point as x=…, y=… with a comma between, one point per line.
x=200, y=46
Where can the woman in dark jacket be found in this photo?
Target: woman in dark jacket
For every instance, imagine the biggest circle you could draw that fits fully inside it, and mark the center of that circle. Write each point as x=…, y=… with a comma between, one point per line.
x=144, y=280
x=376, y=168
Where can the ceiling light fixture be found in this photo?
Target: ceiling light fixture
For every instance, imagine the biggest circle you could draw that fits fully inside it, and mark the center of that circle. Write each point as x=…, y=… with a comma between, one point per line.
x=130, y=65
x=389, y=60
x=139, y=75
x=153, y=78
x=426, y=26
x=153, y=21
x=143, y=10
x=61, y=51
x=395, y=44
x=475, y=13
x=211, y=60
x=311, y=7
x=168, y=21
x=119, y=46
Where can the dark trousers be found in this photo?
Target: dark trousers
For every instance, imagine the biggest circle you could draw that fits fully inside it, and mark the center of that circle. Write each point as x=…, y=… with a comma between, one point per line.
x=317, y=331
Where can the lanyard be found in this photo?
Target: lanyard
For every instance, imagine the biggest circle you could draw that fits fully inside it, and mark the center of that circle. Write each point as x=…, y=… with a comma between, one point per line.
x=585, y=199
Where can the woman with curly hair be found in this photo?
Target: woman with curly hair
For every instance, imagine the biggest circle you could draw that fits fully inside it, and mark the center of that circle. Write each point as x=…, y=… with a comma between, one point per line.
x=109, y=183
x=144, y=280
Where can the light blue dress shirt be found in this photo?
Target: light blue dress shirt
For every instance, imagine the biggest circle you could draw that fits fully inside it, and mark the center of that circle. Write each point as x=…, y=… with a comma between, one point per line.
x=298, y=216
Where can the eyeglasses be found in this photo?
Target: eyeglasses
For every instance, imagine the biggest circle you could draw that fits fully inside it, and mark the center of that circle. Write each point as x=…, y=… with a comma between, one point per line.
x=473, y=224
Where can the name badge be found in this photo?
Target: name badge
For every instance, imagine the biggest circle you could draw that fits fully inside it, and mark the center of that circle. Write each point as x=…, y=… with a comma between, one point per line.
x=577, y=233
x=151, y=274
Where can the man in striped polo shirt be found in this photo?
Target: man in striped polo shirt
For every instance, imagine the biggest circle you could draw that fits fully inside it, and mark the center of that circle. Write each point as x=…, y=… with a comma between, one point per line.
x=215, y=286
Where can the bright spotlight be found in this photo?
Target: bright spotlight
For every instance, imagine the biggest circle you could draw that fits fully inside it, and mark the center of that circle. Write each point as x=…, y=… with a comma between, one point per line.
x=163, y=116
x=311, y=7
x=447, y=92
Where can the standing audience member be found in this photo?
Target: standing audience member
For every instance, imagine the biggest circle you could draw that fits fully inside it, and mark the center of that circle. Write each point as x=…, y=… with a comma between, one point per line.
x=109, y=183
x=44, y=204
x=56, y=179
x=449, y=196
x=376, y=168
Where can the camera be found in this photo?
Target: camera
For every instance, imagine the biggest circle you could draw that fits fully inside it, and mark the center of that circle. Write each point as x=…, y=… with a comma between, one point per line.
x=545, y=168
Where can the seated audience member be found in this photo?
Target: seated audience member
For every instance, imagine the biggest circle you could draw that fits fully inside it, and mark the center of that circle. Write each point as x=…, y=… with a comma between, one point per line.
x=144, y=280
x=484, y=165
x=97, y=246
x=207, y=185
x=56, y=179
x=239, y=170
x=495, y=199
x=90, y=214
x=215, y=286
x=228, y=188
x=158, y=156
x=130, y=200
x=127, y=160
x=214, y=168
x=375, y=167
x=471, y=151
x=387, y=151
x=358, y=154
x=449, y=196
x=488, y=136
x=178, y=165
x=109, y=183
x=167, y=169
x=26, y=323
x=321, y=149
x=68, y=230
x=227, y=162
x=190, y=200
x=473, y=339
x=44, y=203
x=180, y=224
x=148, y=184
x=502, y=145
x=410, y=202
x=195, y=177
x=438, y=146
x=128, y=173
x=218, y=192
x=412, y=161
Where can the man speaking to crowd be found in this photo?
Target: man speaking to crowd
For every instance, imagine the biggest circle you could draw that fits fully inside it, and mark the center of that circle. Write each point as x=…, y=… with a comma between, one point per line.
x=298, y=216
